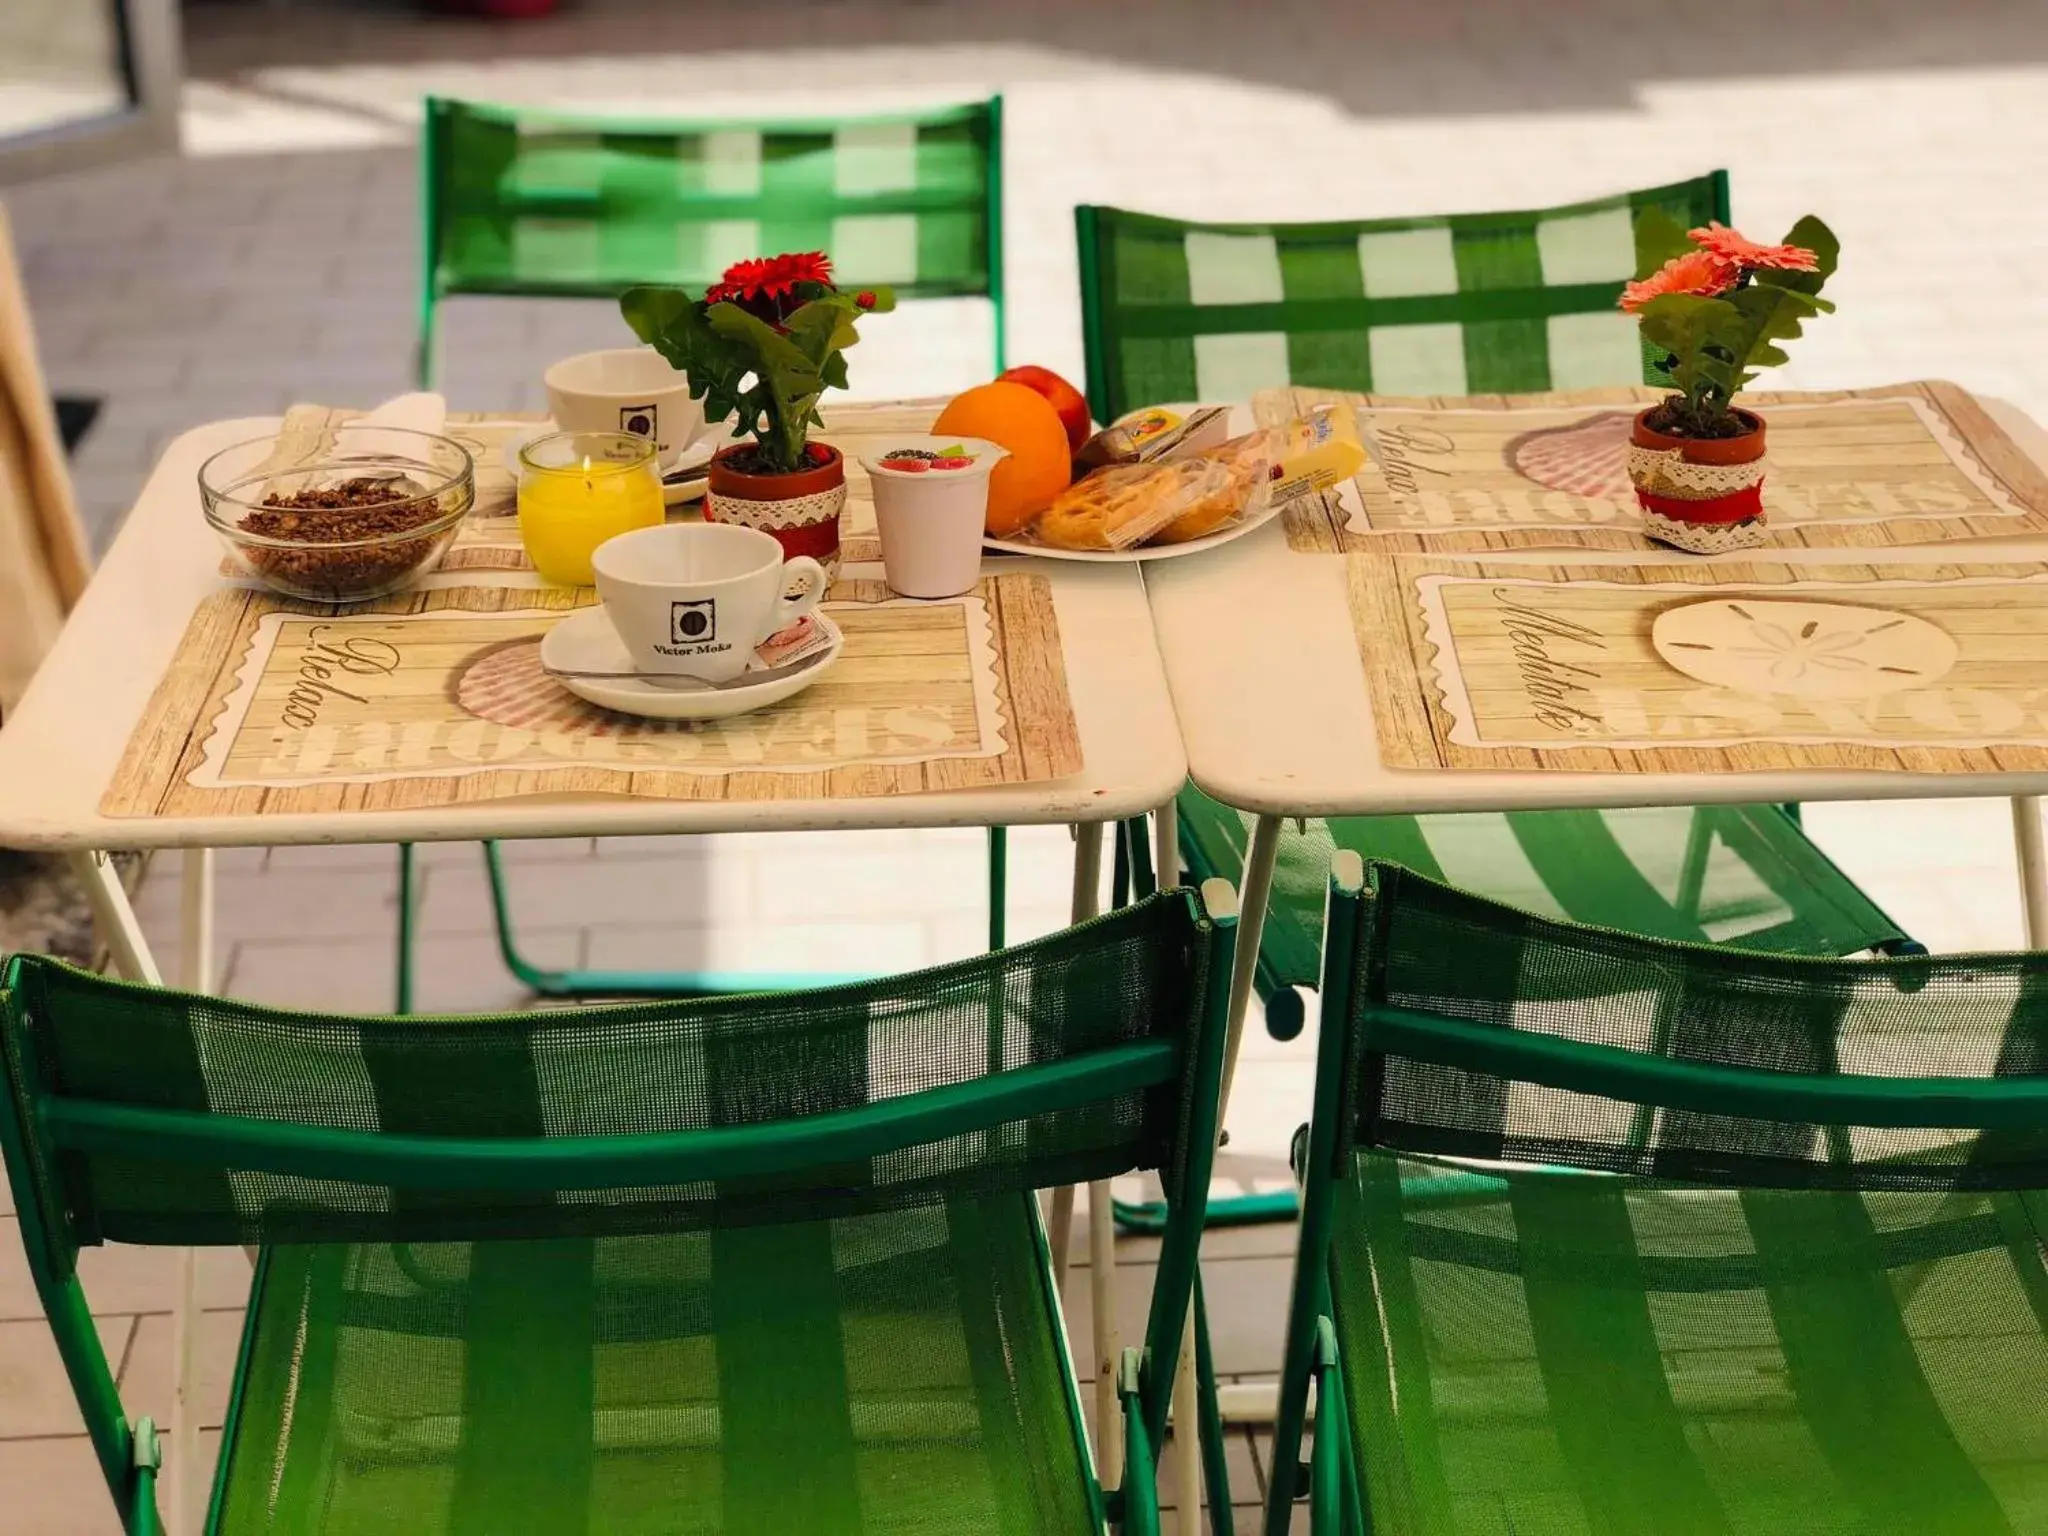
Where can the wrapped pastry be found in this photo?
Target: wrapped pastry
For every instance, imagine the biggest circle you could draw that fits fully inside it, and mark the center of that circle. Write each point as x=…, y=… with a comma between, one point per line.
x=1243, y=487
x=1112, y=508
x=1170, y=502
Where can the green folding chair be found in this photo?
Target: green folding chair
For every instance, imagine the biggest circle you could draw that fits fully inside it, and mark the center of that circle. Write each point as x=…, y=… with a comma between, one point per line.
x=752, y=1265
x=1447, y=304
x=538, y=203
x=1603, y=1233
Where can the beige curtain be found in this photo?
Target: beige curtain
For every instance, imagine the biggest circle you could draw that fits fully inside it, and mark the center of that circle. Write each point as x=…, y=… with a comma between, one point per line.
x=43, y=559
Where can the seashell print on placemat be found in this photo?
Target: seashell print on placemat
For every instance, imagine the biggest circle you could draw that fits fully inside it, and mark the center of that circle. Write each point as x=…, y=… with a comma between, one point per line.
x=506, y=685
x=1587, y=458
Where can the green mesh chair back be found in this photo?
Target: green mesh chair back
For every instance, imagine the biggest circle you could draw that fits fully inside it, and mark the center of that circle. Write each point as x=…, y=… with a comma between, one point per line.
x=626, y=1248
x=523, y=202
x=1451, y=304
x=1622, y=1235
x=1445, y=305
x=1744, y=875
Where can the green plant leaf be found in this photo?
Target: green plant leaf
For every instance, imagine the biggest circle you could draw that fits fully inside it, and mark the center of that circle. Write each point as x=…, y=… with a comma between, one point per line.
x=789, y=380
x=1816, y=237
x=1769, y=314
x=1659, y=237
x=654, y=313
x=768, y=378
x=823, y=327
x=1705, y=335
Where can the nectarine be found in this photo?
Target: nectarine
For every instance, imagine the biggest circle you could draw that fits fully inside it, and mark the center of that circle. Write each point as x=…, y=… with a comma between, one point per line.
x=1067, y=400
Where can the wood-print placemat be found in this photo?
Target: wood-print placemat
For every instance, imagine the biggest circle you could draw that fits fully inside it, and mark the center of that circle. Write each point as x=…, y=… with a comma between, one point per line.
x=489, y=537
x=1902, y=465
x=436, y=697
x=1690, y=668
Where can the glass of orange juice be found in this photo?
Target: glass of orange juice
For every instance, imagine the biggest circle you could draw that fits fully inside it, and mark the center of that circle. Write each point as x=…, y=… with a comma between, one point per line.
x=577, y=489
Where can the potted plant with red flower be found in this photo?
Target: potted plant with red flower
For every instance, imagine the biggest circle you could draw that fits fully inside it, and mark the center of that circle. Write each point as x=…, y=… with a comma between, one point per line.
x=1717, y=306
x=762, y=346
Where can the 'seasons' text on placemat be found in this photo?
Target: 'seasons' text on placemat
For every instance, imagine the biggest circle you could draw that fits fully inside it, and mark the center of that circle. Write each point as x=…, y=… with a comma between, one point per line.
x=437, y=696
x=1689, y=668
x=1905, y=465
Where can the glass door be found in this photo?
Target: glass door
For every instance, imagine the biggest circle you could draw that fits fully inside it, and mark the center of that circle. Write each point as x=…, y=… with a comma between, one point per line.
x=83, y=81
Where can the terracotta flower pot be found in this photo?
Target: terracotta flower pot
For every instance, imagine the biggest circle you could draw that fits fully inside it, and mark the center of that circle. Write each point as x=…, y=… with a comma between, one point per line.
x=800, y=509
x=1704, y=495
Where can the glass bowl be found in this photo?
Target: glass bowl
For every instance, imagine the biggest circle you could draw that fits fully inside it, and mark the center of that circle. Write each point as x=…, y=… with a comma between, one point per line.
x=342, y=527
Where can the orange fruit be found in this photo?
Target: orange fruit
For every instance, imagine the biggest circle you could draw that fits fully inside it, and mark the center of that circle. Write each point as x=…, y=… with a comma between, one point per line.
x=1022, y=420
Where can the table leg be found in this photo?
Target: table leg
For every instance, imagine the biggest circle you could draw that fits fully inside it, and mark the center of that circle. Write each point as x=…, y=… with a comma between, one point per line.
x=1251, y=925
x=116, y=919
x=1248, y=1402
x=1166, y=844
x=1086, y=898
x=1101, y=1222
x=1109, y=1422
x=195, y=974
x=2026, y=836
x=1187, y=1436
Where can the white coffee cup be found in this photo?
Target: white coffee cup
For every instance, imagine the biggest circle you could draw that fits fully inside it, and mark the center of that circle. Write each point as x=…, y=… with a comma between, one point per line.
x=694, y=599
x=931, y=518
x=626, y=389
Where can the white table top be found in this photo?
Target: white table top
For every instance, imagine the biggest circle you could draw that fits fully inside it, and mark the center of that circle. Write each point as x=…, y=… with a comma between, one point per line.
x=60, y=747
x=1273, y=707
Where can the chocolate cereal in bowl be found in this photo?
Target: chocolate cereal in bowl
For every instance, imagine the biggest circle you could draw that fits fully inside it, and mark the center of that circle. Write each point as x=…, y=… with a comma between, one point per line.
x=341, y=527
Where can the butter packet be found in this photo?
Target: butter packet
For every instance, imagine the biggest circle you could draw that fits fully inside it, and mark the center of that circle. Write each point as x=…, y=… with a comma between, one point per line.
x=1152, y=434
x=793, y=642
x=1317, y=451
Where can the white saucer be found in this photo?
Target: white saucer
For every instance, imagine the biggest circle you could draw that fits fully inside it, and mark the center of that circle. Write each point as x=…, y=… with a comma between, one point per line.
x=586, y=642
x=697, y=454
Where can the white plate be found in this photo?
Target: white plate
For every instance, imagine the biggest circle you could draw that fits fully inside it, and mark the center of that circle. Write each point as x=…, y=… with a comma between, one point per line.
x=697, y=453
x=1236, y=530
x=586, y=642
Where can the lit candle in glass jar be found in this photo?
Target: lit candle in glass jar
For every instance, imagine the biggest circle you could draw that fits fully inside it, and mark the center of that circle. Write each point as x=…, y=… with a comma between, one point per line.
x=577, y=489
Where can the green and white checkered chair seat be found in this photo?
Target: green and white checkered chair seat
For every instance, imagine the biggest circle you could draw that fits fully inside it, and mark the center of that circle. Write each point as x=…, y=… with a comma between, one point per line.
x=1570, y=1300
x=529, y=202
x=1567, y=1355
x=1455, y=304
x=746, y=1264
x=1744, y=875
x=896, y=1371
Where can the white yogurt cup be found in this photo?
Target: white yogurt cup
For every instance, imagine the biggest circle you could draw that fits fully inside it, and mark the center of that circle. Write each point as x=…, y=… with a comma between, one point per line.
x=931, y=516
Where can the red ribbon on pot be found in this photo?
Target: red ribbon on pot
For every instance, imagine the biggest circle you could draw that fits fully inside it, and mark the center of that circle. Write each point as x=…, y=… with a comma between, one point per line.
x=819, y=540
x=1736, y=507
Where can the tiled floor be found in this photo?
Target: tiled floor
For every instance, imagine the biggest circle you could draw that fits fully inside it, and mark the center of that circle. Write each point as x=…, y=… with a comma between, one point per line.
x=276, y=261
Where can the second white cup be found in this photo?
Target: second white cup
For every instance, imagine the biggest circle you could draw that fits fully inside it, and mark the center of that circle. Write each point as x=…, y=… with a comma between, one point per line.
x=694, y=599
x=931, y=500
x=626, y=389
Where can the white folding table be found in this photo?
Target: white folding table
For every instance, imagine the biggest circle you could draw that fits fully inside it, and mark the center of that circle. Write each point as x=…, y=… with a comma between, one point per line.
x=62, y=744
x=1271, y=695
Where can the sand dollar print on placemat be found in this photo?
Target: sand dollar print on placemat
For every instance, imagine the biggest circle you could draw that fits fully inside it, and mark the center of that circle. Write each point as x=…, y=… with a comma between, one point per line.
x=1808, y=650
x=1587, y=458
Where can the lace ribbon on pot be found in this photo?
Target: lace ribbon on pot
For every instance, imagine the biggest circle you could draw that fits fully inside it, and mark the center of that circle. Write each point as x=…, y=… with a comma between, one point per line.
x=790, y=512
x=1704, y=538
x=1667, y=472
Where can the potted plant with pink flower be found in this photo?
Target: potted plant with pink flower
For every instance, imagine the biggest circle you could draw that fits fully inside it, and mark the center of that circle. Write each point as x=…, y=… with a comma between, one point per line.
x=1717, y=306
x=761, y=347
